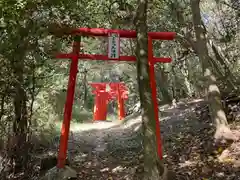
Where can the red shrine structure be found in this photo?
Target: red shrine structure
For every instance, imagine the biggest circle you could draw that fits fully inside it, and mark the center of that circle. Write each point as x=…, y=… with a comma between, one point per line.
x=113, y=54
x=103, y=95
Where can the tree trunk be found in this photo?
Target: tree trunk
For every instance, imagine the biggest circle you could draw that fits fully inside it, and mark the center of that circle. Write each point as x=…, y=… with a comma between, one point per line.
x=185, y=73
x=18, y=151
x=85, y=89
x=162, y=84
x=175, y=84
x=3, y=95
x=213, y=94
x=229, y=77
x=20, y=123
x=20, y=128
x=154, y=168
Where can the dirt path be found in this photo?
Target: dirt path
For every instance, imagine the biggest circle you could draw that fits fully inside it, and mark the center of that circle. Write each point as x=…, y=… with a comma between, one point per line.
x=99, y=135
x=108, y=150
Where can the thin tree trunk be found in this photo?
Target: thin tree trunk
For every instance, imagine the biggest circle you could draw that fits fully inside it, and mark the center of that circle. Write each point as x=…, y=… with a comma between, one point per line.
x=185, y=72
x=213, y=94
x=154, y=168
x=175, y=85
x=20, y=123
x=85, y=88
x=163, y=86
x=219, y=57
x=19, y=151
x=2, y=105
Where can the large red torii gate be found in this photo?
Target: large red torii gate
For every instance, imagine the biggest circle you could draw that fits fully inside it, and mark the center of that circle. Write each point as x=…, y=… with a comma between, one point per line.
x=75, y=55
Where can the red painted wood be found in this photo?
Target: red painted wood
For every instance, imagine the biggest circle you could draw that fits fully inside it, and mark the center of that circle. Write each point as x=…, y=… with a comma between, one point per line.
x=122, y=33
x=62, y=154
x=100, y=107
x=121, y=110
x=105, y=57
x=154, y=96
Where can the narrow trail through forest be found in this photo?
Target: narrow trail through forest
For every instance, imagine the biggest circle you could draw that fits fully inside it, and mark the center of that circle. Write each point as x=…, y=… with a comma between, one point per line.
x=110, y=150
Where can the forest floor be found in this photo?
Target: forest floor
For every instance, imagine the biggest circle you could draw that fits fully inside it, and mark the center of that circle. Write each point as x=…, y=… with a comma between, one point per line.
x=108, y=150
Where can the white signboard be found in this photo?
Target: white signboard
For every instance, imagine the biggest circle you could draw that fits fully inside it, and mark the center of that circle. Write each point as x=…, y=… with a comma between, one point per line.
x=113, y=46
x=108, y=88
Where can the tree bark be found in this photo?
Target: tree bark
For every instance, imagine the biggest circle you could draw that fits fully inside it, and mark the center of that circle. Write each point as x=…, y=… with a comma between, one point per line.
x=229, y=77
x=85, y=88
x=3, y=95
x=18, y=147
x=185, y=73
x=154, y=168
x=163, y=86
x=20, y=123
x=213, y=94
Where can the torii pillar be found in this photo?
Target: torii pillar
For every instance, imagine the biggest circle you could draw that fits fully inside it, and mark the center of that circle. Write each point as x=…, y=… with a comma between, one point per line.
x=101, y=102
x=102, y=97
x=121, y=93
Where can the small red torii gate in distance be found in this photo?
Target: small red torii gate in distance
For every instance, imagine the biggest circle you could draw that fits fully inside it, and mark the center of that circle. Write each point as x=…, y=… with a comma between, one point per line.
x=102, y=97
x=75, y=55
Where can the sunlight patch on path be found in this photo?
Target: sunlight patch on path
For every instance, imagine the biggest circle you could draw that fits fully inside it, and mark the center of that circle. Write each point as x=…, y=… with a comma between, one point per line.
x=77, y=127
